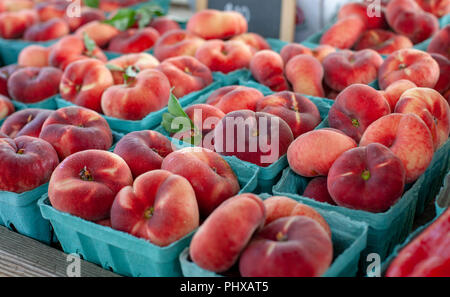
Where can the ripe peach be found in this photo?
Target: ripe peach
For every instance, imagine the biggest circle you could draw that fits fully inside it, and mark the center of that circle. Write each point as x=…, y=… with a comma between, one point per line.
x=345, y=68
x=210, y=116
x=322, y=51
x=233, y=98
x=34, y=84
x=34, y=56
x=100, y=33
x=143, y=150
x=280, y=207
x=49, y=30
x=440, y=44
x=224, y=56
x=431, y=107
x=408, y=137
x=437, y=7
x=255, y=41
x=70, y=49
x=160, y=206
x=84, y=82
x=407, y=18
x=73, y=129
x=16, y=5
x=5, y=73
x=133, y=41
x=344, y=33
x=27, y=162
x=215, y=24
x=164, y=24
x=267, y=67
x=222, y=237
x=355, y=108
x=383, y=42
x=14, y=24
x=443, y=83
x=176, y=43
x=186, y=74
x=211, y=177
x=149, y=91
x=288, y=247
x=51, y=10
x=86, y=183
x=411, y=64
x=369, y=178
x=256, y=137
x=298, y=111
x=88, y=15
x=395, y=90
x=26, y=122
x=294, y=49
x=362, y=11
x=6, y=107
x=141, y=61
x=305, y=73
x=313, y=153
x=317, y=189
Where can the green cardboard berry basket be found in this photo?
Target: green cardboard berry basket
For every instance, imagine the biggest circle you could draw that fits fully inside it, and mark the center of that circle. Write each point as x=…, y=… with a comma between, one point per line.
x=165, y=4
x=349, y=239
x=443, y=198
x=386, y=229
x=11, y=48
x=117, y=251
x=20, y=212
x=412, y=236
x=121, y=252
x=434, y=177
x=49, y=103
x=268, y=176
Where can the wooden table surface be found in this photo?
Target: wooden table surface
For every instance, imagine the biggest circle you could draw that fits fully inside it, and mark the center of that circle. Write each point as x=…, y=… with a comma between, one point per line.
x=23, y=256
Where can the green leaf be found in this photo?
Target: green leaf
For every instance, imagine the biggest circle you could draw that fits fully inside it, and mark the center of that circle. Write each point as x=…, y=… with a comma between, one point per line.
x=130, y=72
x=114, y=68
x=175, y=111
x=175, y=108
x=89, y=44
x=124, y=19
x=146, y=13
x=167, y=123
x=92, y=3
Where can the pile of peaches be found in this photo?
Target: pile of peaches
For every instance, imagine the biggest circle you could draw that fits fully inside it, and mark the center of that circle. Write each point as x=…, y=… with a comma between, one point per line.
x=351, y=52
x=372, y=144
x=41, y=20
